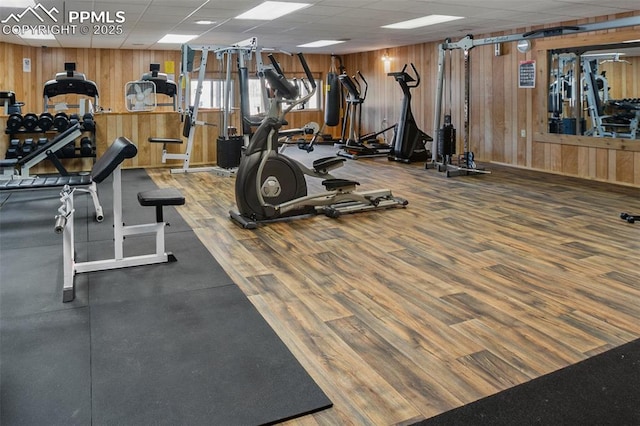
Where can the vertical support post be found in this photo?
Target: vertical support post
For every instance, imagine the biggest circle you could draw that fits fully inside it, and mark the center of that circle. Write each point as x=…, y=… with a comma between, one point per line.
x=226, y=108
x=467, y=106
x=437, y=114
x=68, y=247
x=196, y=105
x=118, y=225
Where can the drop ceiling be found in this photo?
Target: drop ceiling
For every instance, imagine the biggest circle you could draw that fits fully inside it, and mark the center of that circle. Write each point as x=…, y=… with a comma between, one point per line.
x=357, y=22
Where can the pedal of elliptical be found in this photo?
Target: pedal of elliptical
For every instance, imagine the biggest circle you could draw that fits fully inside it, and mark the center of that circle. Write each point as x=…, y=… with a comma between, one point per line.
x=323, y=165
x=340, y=184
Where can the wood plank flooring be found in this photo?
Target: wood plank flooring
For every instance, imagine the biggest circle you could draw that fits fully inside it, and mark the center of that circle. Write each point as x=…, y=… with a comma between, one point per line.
x=480, y=284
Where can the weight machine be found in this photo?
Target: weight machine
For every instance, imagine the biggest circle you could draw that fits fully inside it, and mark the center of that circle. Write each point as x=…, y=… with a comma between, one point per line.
x=441, y=158
x=227, y=162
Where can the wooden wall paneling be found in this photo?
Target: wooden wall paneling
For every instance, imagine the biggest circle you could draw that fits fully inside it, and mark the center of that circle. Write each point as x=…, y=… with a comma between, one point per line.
x=624, y=166
x=602, y=163
x=554, y=157
x=495, y=125
x=569, y=158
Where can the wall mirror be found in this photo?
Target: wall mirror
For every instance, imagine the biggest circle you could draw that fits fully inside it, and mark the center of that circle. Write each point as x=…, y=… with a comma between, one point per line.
x=595, y=90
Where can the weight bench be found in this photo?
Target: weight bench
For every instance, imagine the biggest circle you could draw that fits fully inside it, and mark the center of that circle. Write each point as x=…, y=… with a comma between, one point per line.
x=111, y=163
x=84, y=183
x=22, y=166
x=22, y=181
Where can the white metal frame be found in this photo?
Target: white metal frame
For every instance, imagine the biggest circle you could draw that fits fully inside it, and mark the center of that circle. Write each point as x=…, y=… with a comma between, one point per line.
x=244, y=53
x=65, y=225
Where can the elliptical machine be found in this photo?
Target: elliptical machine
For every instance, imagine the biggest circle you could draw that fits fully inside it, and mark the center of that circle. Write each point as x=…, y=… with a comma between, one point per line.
x=409, y=142
x=354, y=145
x=272, y=186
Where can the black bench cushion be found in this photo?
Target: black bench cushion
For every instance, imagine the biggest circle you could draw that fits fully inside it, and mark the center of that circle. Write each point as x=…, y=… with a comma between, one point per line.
x=45, y=182
x=161, y=197
x=165, y=140
x=121, y=149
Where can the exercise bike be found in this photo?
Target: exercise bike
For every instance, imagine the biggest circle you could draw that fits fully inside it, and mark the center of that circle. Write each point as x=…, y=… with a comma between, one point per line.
x=409, y=142
x=271, y=186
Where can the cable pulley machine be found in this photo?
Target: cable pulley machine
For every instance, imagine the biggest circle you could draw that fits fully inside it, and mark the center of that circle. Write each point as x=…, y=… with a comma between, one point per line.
x=443, y=152
x=189, y=108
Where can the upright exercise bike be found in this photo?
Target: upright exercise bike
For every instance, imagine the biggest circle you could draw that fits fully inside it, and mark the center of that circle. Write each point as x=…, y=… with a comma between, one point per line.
x=409, y=142
x=271, y=186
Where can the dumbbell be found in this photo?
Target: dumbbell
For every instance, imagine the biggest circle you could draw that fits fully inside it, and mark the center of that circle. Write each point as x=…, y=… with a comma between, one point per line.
x=73, y=120
x=27, y=146
x=61, y=121
x=45, y=122
x=86, y=146
x=13, y=151
x=14, y=122
x=87, y=122
x=67, y=151
x=42, y=141
x=30, y=121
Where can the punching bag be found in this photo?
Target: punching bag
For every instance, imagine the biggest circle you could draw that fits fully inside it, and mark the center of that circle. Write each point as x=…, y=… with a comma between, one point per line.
x=332, y=96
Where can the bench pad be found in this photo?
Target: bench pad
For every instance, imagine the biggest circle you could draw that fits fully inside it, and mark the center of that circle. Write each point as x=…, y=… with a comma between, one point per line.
x=45, y=182
x=165, y=140
x=161, y=197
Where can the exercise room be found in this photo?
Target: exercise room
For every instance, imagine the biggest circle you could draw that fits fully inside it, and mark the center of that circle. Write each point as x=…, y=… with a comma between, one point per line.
x=320, y=212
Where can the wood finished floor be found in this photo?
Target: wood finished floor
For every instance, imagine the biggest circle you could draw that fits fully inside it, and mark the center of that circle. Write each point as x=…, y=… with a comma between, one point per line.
x=480, y=284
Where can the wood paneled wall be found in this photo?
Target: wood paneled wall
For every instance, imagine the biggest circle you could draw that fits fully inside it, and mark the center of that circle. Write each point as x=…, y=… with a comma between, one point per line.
x=508, y=124
x=500, y=111
x=111, y=69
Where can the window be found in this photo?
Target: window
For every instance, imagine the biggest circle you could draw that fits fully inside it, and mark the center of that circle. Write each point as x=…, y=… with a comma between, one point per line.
x=255, y=97
x=212, y=95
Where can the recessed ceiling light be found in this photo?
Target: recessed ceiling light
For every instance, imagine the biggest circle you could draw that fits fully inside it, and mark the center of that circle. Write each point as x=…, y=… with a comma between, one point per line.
x=177, y=38
x=28, y=34
x=271, y=10
x=422, y=22
x=205, y=22
x=321, y=43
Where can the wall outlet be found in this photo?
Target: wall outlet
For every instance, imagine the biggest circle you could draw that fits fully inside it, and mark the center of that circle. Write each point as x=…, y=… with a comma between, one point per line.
x=523, y=133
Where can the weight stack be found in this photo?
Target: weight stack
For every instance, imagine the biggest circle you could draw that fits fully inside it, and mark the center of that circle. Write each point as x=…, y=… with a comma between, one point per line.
x=447, y=140
x=229, y=151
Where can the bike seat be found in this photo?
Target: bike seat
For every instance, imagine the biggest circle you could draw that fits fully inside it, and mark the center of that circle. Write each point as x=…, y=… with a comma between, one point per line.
x=340, y=184
x=323, y=165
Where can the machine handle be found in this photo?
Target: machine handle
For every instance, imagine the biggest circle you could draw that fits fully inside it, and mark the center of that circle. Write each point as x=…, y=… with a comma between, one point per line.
x=275, y=64
x=61, y=222
x=366, y=85
x=307, y=71
x=415, y=71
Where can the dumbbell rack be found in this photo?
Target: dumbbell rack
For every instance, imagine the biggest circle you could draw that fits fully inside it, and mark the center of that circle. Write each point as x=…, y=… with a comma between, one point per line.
x=87, y=149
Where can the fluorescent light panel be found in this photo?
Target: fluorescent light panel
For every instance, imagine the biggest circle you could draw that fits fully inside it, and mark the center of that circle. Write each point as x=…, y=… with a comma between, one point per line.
x=321, y=43
x=18, y=3
x=205, y=22
x=270, y=10
x=422, y=22
x=30, y=35
x=177, y=38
